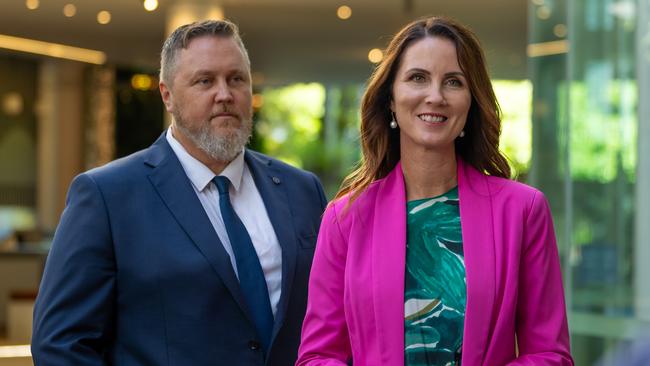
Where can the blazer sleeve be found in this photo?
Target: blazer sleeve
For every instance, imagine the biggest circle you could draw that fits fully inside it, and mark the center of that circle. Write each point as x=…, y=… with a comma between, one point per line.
x=541, y=324
x=325, y=339
x=73, y=314
x=321, y=193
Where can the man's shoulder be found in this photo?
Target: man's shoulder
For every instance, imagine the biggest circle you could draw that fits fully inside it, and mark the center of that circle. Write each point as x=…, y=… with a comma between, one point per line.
x=123, y=166
x=138, y=162
x=126, y=172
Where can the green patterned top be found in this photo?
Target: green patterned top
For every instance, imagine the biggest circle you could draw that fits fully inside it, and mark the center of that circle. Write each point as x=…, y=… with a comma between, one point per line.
x=435, y=287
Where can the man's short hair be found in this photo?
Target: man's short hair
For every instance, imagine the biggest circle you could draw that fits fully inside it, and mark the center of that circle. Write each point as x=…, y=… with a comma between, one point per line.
x=181, y=37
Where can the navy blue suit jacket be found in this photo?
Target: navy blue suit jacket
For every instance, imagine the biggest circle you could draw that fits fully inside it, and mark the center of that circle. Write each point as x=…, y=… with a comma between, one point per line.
x=137, y=275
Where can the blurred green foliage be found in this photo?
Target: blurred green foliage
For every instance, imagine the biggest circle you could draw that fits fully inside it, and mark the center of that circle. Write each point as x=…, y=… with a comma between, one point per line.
x=515, y=100
x=603, y=135
x=316, y=127
x=312, y=127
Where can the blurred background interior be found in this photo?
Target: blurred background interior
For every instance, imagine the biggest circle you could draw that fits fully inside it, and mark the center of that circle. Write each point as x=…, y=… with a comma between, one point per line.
x=78, y=88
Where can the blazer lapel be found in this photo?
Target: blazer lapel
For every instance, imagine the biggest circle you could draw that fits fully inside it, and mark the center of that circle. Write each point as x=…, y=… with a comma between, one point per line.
x=389, y=261
x=388, y=266
x=478, y=242
x=175, y=189
x=269, y=181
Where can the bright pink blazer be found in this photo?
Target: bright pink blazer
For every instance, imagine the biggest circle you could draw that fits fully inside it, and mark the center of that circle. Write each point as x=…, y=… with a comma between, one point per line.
x=514, y=285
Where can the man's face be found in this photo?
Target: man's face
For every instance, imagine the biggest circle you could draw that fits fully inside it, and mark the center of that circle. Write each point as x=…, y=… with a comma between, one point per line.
x=210, y=97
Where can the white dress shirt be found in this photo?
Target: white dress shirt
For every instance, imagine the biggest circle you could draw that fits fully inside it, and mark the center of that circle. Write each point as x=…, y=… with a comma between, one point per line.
x=248, y=205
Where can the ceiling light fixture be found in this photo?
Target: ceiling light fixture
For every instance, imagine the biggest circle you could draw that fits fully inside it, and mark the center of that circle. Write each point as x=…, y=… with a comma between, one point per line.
x=103, y=17
x=344, y=12
x=69, y=10
x=150, y=5
x=21, y=350
x=375, y=55
x=32, y=4
x=52, y=49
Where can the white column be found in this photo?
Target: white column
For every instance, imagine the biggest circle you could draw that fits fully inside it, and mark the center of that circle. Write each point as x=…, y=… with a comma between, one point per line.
x=60, y=136
x=100, y=132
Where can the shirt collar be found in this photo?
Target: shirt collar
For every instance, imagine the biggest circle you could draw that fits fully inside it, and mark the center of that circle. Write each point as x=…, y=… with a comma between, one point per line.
x=198, y=173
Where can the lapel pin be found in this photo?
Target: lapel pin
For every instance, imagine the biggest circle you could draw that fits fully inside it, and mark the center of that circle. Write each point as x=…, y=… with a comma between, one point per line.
x=276, y=180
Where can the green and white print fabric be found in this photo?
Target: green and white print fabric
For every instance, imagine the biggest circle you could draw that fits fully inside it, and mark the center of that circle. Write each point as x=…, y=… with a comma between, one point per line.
x=435, y=286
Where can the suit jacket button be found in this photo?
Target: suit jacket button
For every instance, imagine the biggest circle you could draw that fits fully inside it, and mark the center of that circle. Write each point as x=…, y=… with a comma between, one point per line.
x=254, y=345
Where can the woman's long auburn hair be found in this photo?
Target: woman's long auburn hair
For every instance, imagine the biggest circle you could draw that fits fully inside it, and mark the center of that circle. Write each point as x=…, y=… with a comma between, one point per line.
x=380, y=144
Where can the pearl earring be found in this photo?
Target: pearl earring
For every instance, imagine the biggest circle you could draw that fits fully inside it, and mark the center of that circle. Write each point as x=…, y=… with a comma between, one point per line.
x=393, y=123
x=462, y=133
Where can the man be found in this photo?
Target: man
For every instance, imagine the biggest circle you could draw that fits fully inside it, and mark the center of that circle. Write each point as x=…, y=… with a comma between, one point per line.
x=192, y=252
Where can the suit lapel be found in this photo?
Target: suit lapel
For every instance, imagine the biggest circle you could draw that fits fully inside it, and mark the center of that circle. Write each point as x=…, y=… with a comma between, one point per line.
x=175, y=189
x=388, y=265
x=270, y=182
x=478, y=242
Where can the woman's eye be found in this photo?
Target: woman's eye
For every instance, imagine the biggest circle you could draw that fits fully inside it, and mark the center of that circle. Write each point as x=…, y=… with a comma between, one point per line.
x=454, y=82
x=417, y=77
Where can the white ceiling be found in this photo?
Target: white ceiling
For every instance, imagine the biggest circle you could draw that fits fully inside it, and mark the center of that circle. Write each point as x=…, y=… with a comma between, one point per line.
x=288, y=40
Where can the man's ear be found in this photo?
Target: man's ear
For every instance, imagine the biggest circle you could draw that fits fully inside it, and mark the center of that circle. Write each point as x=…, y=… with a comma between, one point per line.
x=167, y=97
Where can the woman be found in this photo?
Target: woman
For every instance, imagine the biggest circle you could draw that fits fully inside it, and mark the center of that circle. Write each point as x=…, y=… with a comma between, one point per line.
x=430, y=255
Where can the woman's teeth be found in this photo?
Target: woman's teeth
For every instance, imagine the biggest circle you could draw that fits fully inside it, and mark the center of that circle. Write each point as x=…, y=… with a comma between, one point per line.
x=430, y=118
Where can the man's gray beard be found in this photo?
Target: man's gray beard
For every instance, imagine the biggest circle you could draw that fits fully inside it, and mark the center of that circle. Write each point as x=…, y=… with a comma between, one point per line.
x=218, y=147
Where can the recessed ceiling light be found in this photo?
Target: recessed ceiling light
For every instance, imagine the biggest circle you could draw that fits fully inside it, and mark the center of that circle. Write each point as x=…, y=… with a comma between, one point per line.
x=69, y=10
x=103, y=17
x=150, y=5
x=375, y=55
x=32, y=4
x=344, y=12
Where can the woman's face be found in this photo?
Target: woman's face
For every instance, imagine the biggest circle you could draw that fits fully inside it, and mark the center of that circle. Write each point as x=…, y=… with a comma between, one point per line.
x=431, y=96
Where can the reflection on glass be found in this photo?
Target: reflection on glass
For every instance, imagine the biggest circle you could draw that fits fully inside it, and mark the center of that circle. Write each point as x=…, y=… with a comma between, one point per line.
x=585, y=158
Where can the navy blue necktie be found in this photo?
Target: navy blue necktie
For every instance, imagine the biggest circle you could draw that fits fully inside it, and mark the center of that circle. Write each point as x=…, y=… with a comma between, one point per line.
x=251, y=276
